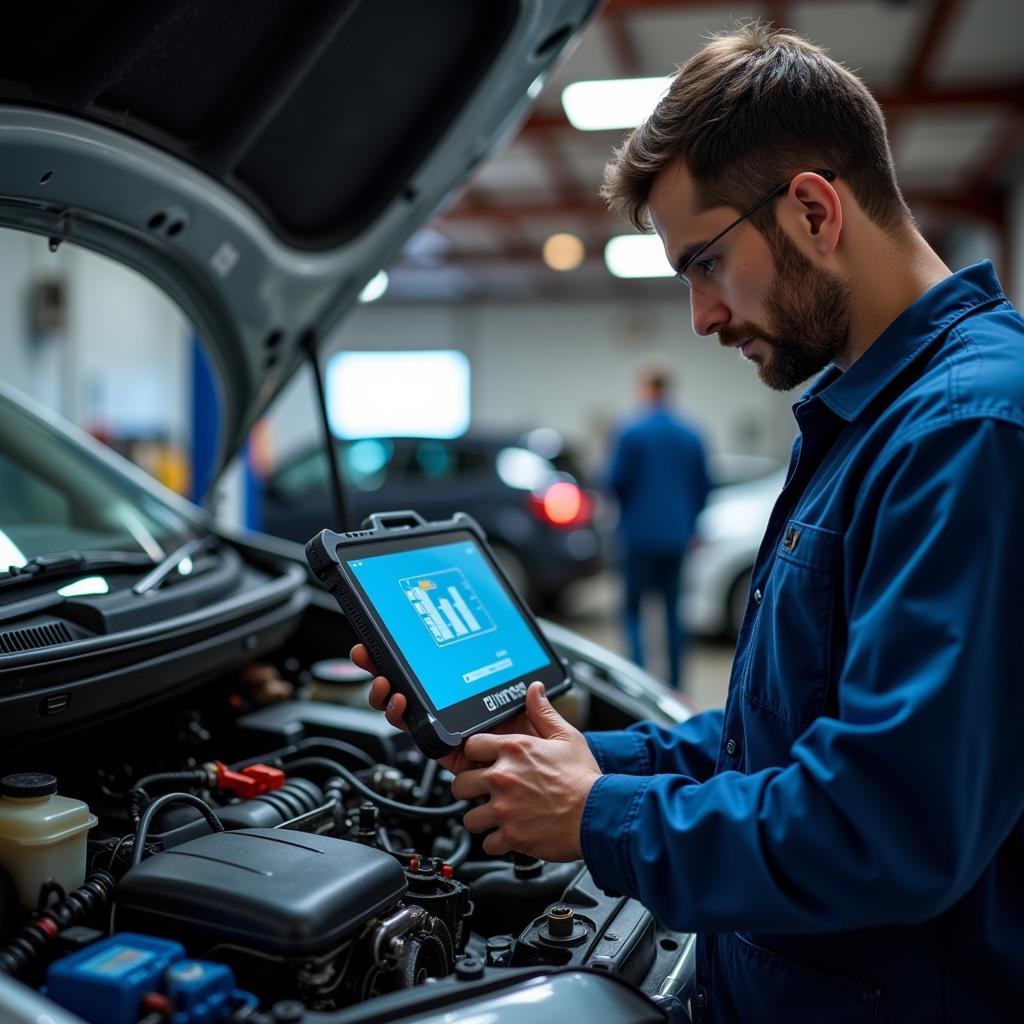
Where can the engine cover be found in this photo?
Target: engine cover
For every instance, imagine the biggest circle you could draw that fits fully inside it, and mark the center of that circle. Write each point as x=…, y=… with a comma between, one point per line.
x=286, y=894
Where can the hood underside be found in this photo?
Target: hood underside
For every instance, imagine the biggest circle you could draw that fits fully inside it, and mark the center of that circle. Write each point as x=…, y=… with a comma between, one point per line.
x=259, y=161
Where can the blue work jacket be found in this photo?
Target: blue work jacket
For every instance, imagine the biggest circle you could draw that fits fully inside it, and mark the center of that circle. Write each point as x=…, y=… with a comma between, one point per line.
x=847, y=837
x=658, y=473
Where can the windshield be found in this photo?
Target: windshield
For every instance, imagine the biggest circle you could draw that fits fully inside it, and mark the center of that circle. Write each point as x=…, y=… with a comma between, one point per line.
x=56, y=496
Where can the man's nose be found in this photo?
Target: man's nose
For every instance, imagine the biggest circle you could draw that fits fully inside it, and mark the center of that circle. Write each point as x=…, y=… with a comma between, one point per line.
x=707, y=313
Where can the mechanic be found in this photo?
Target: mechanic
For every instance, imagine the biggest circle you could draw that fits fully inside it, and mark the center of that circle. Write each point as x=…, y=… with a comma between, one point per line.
x=846, y=837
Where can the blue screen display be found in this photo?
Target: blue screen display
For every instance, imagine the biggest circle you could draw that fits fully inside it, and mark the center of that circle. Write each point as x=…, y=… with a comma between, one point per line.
x=451, y=618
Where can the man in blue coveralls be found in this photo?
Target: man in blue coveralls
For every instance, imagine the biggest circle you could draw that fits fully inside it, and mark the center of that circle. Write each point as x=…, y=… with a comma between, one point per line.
x=847, y=836
x=658, y=472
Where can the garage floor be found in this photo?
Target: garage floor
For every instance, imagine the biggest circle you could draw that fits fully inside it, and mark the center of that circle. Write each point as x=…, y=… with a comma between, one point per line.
x=592, y=608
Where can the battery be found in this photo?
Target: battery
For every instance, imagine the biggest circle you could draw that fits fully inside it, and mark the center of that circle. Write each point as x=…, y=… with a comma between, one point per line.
x=104, y=983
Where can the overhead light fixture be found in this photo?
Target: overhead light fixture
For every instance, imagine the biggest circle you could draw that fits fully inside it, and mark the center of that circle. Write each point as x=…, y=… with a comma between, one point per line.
x=612, y=103
x=637, y=256
x=563, y=252
x=427, y=393
x=375, y=287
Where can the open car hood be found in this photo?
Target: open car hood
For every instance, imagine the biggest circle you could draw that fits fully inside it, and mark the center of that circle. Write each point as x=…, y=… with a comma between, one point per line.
x=260, y=162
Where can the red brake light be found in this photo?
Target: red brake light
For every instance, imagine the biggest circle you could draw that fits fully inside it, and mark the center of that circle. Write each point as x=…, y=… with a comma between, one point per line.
x=562, y=504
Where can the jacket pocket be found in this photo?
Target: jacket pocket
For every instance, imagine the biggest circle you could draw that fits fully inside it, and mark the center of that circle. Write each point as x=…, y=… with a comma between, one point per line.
x=790, y=666
x=760, y=986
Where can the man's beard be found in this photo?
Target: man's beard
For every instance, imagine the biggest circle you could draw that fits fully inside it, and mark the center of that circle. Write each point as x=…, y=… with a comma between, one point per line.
x=808, y=313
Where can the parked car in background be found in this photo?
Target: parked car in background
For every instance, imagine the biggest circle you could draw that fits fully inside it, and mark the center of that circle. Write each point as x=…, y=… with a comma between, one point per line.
x=729, y=531
x=538, y=518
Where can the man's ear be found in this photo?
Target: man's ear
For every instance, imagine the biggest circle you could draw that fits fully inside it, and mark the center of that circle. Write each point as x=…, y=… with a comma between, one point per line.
x=816, y=211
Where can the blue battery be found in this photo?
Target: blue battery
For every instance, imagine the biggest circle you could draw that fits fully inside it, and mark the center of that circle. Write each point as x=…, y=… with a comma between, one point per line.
x=104, y=983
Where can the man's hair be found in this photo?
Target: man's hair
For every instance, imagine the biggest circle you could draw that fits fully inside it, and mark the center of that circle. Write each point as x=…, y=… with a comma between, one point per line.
x=749, y=111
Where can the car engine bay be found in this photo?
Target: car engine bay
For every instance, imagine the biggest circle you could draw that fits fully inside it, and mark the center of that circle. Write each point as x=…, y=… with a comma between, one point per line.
x=250, y=851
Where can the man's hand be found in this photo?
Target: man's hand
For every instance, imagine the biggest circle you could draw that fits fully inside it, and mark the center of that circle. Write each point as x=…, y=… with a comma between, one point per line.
x=393, y=706
x=537, y=784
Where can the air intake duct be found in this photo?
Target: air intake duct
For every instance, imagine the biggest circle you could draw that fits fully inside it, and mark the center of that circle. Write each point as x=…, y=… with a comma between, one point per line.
x=296, y=797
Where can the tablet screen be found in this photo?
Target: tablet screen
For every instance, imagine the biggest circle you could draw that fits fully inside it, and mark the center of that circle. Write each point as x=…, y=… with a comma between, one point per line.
x=454, y=622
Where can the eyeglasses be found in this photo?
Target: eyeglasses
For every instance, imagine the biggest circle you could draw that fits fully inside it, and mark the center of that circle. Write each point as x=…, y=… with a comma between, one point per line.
x=775, y=193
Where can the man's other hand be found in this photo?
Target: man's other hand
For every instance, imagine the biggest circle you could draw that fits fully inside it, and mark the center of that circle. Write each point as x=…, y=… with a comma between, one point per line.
x=537, y=785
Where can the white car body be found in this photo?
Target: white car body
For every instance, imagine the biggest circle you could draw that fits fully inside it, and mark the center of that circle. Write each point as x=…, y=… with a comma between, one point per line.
x=717, y=574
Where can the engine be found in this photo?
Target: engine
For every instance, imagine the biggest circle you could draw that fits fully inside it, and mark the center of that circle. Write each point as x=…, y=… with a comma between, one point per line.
x=323, y=865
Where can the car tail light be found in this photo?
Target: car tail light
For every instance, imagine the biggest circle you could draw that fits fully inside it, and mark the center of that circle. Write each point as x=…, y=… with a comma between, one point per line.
x=562, y=504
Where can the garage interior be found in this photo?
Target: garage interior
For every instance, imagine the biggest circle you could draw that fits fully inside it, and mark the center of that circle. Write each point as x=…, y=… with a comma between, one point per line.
x=546, y=348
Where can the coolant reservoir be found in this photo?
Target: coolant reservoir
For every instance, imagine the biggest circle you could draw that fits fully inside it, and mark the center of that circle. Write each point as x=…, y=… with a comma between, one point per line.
x=42, y=835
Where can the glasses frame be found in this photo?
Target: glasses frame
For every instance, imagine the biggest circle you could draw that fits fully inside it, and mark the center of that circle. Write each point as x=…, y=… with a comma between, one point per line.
x=779, y=190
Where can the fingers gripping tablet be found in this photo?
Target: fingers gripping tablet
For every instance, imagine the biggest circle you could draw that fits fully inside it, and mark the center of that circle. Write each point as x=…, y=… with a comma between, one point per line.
x=440, y=620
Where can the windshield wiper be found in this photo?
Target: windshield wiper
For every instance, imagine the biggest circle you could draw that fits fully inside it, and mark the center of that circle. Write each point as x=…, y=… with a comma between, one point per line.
x=152, y=580
x=67, y=562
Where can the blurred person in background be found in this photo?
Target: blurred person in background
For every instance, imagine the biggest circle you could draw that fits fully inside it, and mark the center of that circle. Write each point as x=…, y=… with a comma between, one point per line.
x=658, y=473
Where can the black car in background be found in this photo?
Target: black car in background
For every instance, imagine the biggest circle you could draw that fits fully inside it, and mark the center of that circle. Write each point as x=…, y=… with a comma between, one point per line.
x=538, y=517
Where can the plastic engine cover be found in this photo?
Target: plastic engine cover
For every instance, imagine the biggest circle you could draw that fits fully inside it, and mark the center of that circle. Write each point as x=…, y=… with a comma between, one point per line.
x=267, y=890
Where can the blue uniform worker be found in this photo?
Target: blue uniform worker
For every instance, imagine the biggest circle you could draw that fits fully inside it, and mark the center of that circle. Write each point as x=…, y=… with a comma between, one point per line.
x=658, y=473
x=848, y=837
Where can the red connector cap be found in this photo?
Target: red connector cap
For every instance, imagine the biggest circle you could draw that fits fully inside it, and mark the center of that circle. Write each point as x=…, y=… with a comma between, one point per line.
x=249, y=782
x=157, y=1002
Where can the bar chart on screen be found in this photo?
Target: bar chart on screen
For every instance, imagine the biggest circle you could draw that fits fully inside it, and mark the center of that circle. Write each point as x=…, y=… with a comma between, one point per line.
x=448, y=606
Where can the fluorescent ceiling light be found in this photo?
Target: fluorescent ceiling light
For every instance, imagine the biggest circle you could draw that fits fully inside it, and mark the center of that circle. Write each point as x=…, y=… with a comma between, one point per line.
x=637, y=256
x=382, y=394
x=375, y=287
x=614, y=103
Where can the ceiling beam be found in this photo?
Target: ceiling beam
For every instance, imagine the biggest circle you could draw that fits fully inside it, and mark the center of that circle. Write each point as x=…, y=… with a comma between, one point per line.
x=580, y=209
x=984, y=203
x=545, y=146
x=776, y=12
x=996, y=156
x=622, y=44
x=933, y=35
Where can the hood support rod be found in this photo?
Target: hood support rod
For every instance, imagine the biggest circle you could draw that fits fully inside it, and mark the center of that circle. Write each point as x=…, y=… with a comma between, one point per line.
x=342, y=505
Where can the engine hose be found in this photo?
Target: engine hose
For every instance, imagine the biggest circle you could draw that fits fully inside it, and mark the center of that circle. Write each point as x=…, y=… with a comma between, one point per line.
x=27, y=947
x=296, y=797
x=461, y=851
x=411, y=810
x=311, y=743
x=138, y=795
x=427, y=780
x=142, y=831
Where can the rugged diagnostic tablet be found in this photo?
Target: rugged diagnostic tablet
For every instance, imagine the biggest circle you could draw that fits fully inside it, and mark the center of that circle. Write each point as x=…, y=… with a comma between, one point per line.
x=440, y=620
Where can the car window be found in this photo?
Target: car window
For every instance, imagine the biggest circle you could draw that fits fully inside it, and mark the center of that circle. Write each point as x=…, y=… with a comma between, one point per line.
x=440, y=460
x=364, y=464
x=57, y=496
x=308, y=472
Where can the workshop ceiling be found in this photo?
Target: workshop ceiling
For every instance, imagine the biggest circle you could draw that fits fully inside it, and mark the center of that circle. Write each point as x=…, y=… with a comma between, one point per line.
x=948, y=73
